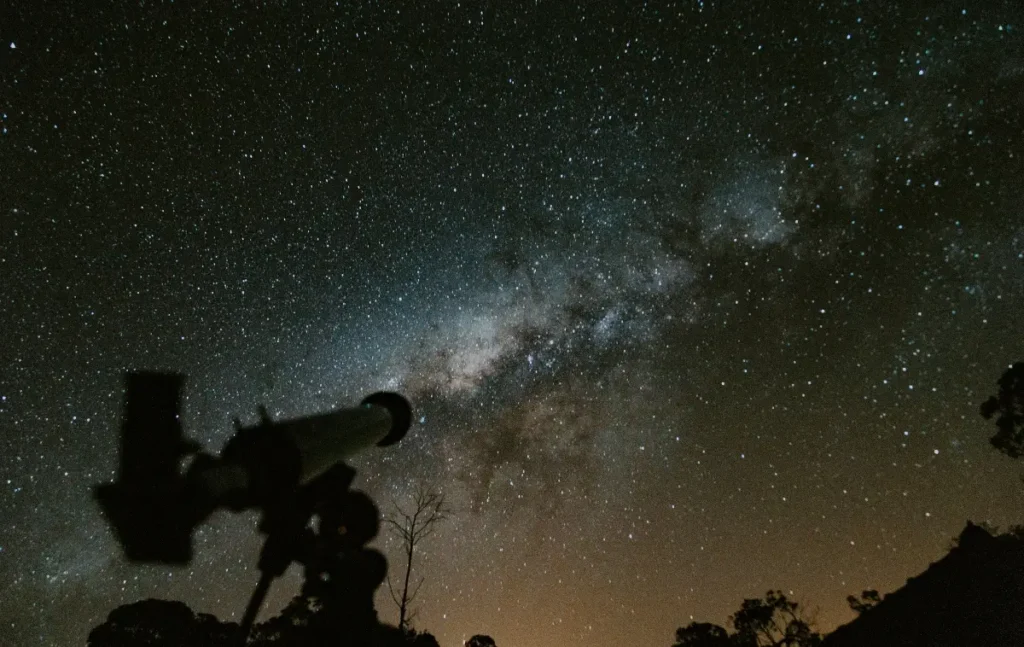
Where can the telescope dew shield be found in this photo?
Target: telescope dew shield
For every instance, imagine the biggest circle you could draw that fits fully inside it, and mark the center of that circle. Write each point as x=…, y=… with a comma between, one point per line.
x=401, y=414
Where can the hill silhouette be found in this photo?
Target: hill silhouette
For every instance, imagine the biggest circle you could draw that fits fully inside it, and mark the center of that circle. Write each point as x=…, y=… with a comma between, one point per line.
x=972, y=596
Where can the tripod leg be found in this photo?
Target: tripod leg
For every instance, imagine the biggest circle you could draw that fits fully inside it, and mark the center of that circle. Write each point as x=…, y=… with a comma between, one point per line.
x=255, y=602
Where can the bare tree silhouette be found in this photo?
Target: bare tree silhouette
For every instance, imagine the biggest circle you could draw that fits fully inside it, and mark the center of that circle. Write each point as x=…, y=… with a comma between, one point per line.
x=412, y=527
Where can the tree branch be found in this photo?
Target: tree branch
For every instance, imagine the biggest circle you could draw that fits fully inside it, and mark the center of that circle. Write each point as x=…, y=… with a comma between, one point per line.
x=412, y=528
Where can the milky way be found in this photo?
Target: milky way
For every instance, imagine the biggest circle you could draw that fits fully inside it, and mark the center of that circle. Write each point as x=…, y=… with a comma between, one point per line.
x=692, y=299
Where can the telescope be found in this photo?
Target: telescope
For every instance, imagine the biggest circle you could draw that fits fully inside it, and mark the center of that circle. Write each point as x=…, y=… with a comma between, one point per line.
x=154, y=508
x=290, y=470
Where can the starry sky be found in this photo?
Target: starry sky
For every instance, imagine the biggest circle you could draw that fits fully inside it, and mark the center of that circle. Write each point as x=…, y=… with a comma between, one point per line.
x=693, y=299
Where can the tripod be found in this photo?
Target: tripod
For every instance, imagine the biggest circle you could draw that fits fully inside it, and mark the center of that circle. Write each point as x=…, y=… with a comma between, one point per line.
x=338, y=568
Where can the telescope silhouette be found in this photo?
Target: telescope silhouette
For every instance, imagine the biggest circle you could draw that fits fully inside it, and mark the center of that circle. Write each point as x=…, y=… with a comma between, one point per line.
x=290, y=470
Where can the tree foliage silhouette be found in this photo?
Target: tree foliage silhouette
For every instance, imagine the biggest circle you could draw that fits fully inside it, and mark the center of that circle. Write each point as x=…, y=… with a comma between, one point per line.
x=421, y=639
x=702, y=634
x=772, y=621
x=480, y=640
x=161, y=623
x=1009, y=405
x=868, y=599
x=411, y=528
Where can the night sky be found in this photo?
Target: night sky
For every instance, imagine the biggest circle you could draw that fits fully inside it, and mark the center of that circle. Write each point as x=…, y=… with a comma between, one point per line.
x=692, y=299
